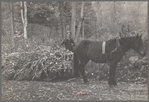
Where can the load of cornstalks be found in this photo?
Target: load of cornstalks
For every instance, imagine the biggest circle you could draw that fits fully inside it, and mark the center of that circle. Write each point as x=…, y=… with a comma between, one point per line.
x=43, y=63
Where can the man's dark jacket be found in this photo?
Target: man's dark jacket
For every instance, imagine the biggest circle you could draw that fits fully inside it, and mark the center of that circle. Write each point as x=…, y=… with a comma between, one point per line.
x=69, y=43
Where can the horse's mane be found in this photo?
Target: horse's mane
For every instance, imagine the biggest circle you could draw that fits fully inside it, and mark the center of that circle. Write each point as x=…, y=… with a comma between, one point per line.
x=122, y=37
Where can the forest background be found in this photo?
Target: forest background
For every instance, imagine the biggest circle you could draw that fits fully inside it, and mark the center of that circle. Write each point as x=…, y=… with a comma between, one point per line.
x=27, y=26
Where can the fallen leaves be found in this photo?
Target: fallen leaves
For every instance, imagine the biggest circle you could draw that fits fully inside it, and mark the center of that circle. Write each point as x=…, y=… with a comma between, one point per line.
x=95, y=91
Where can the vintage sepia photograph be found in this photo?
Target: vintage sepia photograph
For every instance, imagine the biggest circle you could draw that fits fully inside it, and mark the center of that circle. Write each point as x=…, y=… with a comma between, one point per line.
x=74, y=50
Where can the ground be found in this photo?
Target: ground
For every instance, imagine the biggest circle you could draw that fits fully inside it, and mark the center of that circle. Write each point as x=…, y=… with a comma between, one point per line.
x=72, y=90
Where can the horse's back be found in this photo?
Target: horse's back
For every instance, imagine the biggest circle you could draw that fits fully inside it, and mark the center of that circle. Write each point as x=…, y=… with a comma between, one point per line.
x=82, y=48
x=82, y=44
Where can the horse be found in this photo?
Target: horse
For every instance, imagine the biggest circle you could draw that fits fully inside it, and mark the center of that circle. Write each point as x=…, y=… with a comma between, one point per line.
x=115, y=48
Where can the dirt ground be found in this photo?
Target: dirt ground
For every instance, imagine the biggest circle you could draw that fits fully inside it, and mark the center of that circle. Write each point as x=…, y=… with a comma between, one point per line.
x=72, y=90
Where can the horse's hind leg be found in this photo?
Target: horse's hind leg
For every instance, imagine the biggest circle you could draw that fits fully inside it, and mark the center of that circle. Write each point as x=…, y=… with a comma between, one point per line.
x=82, y=70
x=112, y=81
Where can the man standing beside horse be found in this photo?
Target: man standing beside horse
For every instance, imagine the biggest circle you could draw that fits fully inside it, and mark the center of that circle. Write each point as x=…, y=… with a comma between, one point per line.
x=68, y=42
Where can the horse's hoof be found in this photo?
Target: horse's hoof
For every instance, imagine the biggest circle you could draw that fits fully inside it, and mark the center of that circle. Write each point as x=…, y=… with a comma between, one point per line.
x=86, y=82
x=113, y=85
x=75, y=77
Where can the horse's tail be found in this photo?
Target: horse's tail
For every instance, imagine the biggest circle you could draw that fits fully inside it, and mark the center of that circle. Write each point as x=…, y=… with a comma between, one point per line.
x=76, y=65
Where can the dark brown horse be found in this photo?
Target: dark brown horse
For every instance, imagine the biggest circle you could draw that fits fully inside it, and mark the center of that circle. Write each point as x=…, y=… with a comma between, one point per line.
x=114, y=50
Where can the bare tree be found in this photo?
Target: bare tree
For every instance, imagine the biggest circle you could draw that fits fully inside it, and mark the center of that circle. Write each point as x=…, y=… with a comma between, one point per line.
x=99, y=21
x=61, y=8
x=115, y=21
x=97, y=8
x=12, y=26
x=79, y=26
x=73, y=19
x=83, y=28
x=24, y=17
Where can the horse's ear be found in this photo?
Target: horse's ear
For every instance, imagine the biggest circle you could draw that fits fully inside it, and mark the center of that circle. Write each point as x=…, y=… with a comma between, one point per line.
x=137, y=35
x=141, y=35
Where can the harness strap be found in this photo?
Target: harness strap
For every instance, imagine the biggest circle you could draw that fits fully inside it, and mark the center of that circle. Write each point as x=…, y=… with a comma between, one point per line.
x=118, y=47
x=118, y=43
x=103, y=47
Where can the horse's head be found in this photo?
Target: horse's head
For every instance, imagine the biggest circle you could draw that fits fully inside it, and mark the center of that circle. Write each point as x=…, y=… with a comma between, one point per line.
x=138, y=45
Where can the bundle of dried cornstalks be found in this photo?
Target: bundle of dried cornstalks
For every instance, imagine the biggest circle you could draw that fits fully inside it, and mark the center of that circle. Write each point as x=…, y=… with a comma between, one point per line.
x=41, y=64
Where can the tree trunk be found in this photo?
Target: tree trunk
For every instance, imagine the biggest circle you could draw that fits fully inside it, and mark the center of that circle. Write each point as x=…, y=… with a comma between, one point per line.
x=61, y=8
x=115, y=23
x=99, y=19
x=79, y=26
x=83, y=29
x=24, y=17
x=73, y=19
x=96, y=7
x=12, y=27
x=21, y=5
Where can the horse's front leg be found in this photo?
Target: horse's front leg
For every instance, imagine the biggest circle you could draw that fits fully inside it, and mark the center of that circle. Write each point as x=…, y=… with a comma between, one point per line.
x=112, y=81
x=82, y=71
